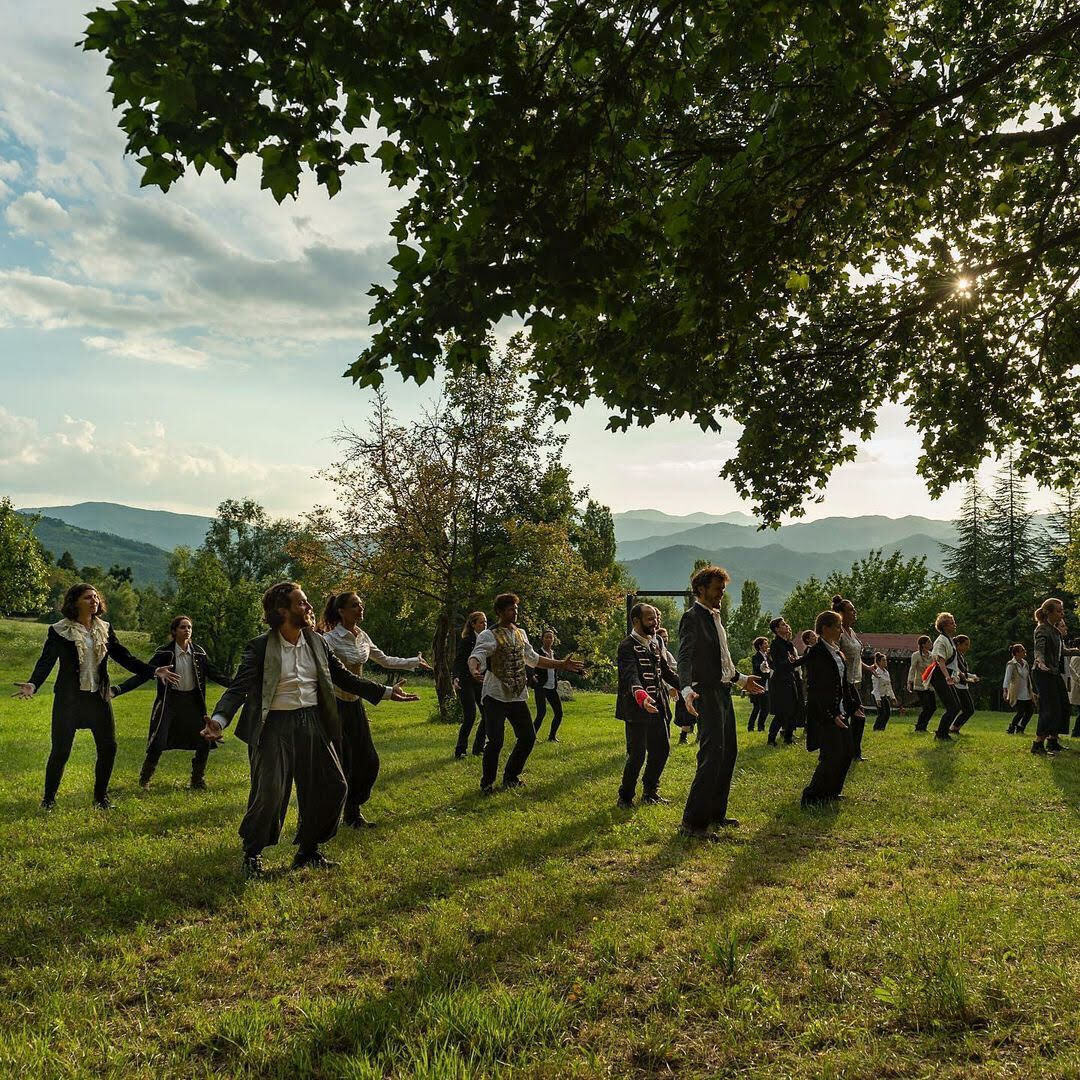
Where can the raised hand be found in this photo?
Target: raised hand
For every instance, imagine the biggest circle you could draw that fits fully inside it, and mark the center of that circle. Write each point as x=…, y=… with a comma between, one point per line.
x=166, y=674
x=26, y=690
x=422, y=664
x=577, y=667
x=397, y=694
x=752, y=686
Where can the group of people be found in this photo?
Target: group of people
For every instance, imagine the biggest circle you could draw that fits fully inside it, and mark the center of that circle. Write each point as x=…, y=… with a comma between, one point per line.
x=302, y=699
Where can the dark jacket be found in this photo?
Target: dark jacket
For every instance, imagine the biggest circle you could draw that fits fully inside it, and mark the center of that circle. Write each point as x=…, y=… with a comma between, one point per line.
x=757, y=661
x=642, y=668
x=784, y=691
x=537, y=677
x=66, y=688
x=465, y=646
x=166, y=657
x=826, y=691
x=699, y=650
x=256, y=680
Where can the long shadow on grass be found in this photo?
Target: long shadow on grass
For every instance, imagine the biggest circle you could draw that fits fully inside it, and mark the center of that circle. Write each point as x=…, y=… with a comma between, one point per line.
x=938, y=758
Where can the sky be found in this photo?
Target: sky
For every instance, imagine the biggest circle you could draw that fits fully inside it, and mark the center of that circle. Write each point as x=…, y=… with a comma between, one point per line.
x=154, y=347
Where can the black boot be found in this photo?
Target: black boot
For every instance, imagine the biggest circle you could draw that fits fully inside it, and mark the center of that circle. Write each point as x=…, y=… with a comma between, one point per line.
x=198, y=776
x=148, y=767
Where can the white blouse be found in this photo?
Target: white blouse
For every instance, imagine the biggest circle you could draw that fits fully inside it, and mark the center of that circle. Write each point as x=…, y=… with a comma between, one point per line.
x=355, y=648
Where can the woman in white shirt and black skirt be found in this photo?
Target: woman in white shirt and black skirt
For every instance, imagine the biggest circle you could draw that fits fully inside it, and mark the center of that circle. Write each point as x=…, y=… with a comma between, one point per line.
x=545, y=691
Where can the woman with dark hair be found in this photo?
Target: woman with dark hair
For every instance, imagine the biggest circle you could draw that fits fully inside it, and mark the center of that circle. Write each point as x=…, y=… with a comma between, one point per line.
x=829, y=707
x=921, y=661
x=545, y=689
x=82, y=642
x=1017, y=689
x=964, y=680
x=467, y=688
x=784, y=691
x=1053, y=698
x=882, y=690
x=759, y=664
x=852, y=651
x=341, y=620
x=179, y=713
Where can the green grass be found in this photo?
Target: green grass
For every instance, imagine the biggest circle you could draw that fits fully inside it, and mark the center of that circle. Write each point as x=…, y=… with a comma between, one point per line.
x=927, y=928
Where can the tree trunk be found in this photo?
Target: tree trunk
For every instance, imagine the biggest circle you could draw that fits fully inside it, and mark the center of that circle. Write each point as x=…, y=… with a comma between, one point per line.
x=442, y=657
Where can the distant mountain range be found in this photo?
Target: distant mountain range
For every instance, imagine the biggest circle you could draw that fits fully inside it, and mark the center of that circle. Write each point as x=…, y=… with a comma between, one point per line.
x=776, y=559
x=104, y=534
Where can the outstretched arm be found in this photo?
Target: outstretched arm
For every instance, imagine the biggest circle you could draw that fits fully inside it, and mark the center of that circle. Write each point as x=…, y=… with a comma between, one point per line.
x=241, y=685
x=46, y=662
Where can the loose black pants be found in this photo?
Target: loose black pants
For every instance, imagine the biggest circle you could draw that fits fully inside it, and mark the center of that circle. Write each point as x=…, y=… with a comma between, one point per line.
x=293, y=747
x=469, y=696
x=884, y=711
x=543, y=696
x=950, y=703
x=783, y=721
x=834, y=760
x=856, y=724
x=647, y=744
x=967, y=706
x=91, y=711
x=928, y=706
x=359, y=758
x=1024, y=711
x=759, y=712
x=496, y=714
x=707, y=801
x=1053, y=704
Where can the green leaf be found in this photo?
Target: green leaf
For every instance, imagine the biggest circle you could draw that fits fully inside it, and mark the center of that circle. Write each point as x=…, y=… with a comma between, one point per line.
x=797, y=282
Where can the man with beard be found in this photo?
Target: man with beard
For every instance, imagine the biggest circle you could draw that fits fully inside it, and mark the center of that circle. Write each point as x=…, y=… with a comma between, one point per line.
x=642, y=704
x=707, y=674
x=285, y=684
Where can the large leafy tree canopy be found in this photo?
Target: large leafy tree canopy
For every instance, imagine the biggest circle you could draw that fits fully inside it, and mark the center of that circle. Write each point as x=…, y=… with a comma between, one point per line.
x=783, y=213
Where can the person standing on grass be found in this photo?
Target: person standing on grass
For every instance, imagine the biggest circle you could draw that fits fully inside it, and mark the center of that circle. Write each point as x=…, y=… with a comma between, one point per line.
x=500, y=657
x=1067, y=654
x=467, y=688
x=1049, y=681
x=829, y=704
x=545, y=690
x=683, y=720
x=83, y=643
x=783, y=687
x=918, y=682
x=964, y=681
x=759, y=665
x=1074, y=692
x=642, y=705
x=284, y=689
x=342, y=615
x=882, y=691
x=707, y=674
x=808, y=639
x=179, y=712
x=1017, y=689
x=852, y=649
x=944, y=672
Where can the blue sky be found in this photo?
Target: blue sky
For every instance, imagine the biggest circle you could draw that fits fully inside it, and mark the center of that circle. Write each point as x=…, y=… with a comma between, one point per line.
x=145, y=339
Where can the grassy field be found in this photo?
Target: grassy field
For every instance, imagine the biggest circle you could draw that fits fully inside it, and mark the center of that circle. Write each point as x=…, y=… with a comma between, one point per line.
x=928, y=927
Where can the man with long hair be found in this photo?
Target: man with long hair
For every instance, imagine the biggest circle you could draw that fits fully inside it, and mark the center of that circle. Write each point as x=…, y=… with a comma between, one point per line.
x=289, y=719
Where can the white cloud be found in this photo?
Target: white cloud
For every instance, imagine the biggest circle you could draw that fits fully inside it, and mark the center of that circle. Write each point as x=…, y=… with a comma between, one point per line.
x=77, y=461
x=35, y=214
x=151, y=350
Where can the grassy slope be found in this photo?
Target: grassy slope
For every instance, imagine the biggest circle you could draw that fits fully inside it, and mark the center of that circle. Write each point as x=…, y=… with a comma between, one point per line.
x=928, y=928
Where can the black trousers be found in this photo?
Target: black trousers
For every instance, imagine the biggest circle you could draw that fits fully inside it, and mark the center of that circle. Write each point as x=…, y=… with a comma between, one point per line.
x=783, y=721
x=884, y=711
x=649, y=745
x=359, y=758
x=1053, y=704
x=950, y=703
x=198, y=761
x=967, y=706
x=856, y=724
x=1024, y=711
x=759, y=711
x=707, y=802
x=928, y=706
x=543, y=697
x=1076, y=724
x=469, y=695
x=834, y=760
x=496, y=715
x=293, y=747
x=91, y=711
